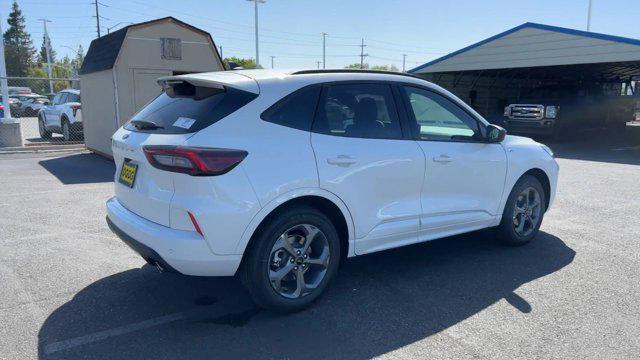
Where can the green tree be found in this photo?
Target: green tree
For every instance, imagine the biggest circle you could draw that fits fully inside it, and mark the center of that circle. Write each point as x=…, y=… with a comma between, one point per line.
x=245, y=63
x=42, y=56
x=385, y=67
x=357, y=66
x=18, y=48
x=77, y=61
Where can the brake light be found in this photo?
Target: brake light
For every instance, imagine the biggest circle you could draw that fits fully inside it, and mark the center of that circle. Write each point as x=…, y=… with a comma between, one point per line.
x=192, y=160
x=1, y=107
x=75, y=109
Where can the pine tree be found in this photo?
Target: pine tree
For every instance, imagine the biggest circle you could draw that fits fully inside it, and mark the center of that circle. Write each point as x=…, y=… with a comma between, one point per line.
x=42, y=56
x=79, y=57
x=19, y=51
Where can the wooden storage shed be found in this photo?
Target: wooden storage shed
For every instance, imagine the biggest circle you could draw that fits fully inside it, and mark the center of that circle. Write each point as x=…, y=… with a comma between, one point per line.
x=118, y=75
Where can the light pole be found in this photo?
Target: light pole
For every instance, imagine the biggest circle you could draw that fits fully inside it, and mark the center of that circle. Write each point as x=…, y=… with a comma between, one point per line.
x=589, y=17
x=255, y=9
x=404, y=60
x=272, y=57
x=324, y=47
x=122, y=22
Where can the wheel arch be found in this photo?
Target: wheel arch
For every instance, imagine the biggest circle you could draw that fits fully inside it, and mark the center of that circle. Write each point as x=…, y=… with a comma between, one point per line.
x=324, y=201
x=541, y=176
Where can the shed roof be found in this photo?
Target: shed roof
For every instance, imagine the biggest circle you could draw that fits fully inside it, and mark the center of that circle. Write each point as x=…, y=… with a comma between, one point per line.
x=104, y=50
x=531, y=45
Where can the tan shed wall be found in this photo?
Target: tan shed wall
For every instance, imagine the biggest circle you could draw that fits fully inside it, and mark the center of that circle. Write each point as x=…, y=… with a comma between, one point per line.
x=98, y=110
x=531, y=47
x=141, y=54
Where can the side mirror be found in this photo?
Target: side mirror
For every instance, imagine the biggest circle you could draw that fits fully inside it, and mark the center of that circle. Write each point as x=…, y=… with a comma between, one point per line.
x=495, y=133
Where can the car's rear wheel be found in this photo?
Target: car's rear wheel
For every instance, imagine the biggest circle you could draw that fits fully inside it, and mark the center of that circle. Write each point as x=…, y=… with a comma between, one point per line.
x=292, y=261
x=44, y=133
x=523, y=212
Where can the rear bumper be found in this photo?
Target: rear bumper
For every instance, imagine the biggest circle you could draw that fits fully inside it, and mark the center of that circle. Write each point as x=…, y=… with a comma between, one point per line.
x=180, y=251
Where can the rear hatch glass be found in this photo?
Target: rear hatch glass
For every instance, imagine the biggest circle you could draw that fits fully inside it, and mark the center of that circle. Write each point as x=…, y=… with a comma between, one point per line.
x=186, y=108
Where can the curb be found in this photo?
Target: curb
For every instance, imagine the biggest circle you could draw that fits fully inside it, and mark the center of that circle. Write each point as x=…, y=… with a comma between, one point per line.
x=42, y=149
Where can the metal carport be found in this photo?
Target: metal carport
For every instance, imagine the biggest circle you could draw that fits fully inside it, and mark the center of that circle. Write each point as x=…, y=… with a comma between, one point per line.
x=494, y=71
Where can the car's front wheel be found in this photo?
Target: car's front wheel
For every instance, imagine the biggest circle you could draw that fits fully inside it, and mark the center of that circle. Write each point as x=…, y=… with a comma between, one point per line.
x=44, y=133
x=523, y=212
x=292, y=261
x=66, y=130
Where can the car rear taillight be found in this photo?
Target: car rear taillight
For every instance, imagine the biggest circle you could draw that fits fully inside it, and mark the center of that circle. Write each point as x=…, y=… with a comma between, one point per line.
x=75, y=109
x=1, y=107
x=193, y=160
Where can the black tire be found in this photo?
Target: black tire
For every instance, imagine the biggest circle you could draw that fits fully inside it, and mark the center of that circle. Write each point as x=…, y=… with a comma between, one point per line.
x=66, y=130
x=44, y=133
x=506, y=231
x=254, y=272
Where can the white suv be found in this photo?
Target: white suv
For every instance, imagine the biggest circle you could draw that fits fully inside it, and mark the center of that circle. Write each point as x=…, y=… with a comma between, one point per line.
x=62, y=116
x=280, y=176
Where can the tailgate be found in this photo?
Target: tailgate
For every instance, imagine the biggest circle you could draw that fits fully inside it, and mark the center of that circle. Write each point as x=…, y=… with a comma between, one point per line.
x=152, y=189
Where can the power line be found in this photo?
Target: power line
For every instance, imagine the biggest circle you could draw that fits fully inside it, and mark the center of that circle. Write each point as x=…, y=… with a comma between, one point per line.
x=362, y=54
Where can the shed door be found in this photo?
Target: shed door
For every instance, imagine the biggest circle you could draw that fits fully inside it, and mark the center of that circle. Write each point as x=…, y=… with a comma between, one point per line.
x=145, y=87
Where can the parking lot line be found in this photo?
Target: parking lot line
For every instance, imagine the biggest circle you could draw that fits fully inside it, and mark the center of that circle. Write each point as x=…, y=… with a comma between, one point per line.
x=105, y=334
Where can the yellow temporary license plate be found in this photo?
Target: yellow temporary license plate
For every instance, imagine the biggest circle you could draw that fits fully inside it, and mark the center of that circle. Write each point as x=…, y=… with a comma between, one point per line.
x=128, y=173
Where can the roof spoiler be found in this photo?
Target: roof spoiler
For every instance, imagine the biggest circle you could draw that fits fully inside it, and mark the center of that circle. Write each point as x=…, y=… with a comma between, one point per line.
x=216, y=80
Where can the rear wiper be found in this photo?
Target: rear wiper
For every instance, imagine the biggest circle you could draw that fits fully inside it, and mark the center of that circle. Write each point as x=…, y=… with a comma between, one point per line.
x=145, y=125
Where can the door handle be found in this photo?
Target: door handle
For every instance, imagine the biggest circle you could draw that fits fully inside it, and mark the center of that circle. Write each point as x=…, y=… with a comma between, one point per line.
x=341, y=160
x=443, y=159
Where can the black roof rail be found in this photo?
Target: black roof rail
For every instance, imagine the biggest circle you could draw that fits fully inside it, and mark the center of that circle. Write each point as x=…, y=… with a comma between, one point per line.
x=353, y=71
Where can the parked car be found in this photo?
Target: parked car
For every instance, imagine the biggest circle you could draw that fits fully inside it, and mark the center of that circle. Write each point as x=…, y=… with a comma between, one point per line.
x=280, y=176
x=30, y=104
x=19, y=90
x=14, y=104
x=63, y=116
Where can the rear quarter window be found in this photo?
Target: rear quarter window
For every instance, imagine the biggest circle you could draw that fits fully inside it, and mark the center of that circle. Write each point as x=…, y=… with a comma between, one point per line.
x=168, y=110
x=295, y=110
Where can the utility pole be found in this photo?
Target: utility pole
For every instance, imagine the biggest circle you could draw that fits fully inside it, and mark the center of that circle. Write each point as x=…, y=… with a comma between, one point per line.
x=589, y=17
x=404, y=60
x=318, y=64
x=272, y=57
x=97, y=15
x=255, y=9
x=221, y=57
x=324, y=47
x=47, y=49
x=362, y=54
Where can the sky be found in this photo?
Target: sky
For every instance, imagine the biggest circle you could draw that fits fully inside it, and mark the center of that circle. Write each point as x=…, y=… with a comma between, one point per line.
x=290, y=30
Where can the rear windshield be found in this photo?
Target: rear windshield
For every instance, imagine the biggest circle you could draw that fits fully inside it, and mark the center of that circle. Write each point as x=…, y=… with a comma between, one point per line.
x=180, y=114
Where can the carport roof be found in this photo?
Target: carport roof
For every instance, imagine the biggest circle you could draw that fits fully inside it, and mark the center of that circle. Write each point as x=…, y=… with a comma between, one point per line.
x=558, y=46
x=103, y=51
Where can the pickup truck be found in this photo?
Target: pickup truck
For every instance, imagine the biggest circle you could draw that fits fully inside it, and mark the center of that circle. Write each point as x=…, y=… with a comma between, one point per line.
x=559, y=110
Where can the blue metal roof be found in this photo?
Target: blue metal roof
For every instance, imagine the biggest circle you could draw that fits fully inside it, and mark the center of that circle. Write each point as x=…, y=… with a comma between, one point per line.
x=619, y=39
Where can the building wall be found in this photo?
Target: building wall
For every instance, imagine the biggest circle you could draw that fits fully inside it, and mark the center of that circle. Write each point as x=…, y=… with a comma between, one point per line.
x=98, y=110
x=140, y=60
x=530, y=47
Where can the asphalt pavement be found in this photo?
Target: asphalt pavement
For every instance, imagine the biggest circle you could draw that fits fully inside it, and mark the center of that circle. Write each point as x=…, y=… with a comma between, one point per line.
x=70, y=289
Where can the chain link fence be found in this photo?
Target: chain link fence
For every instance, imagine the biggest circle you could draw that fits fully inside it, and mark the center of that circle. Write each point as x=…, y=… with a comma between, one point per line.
x=49, y=110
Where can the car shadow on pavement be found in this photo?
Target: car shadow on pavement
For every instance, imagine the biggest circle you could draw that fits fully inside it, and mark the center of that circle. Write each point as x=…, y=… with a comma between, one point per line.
x=80, y=168
x=378, y=303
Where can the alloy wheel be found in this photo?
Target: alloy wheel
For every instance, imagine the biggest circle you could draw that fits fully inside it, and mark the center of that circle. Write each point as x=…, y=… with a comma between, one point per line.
x=298, y=261
x=526, y=212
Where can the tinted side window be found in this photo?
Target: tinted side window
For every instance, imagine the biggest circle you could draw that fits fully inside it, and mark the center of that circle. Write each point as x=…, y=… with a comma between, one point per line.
x=296, y=110
x=63, y=98
x=72, y=98
x=438, y=118
x=359, y=110
x=56, y=99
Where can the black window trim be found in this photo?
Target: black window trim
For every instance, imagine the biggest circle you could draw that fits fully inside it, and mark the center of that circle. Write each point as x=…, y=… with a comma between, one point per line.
x=411, y=116
x=404, y=134
x=280, y=101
